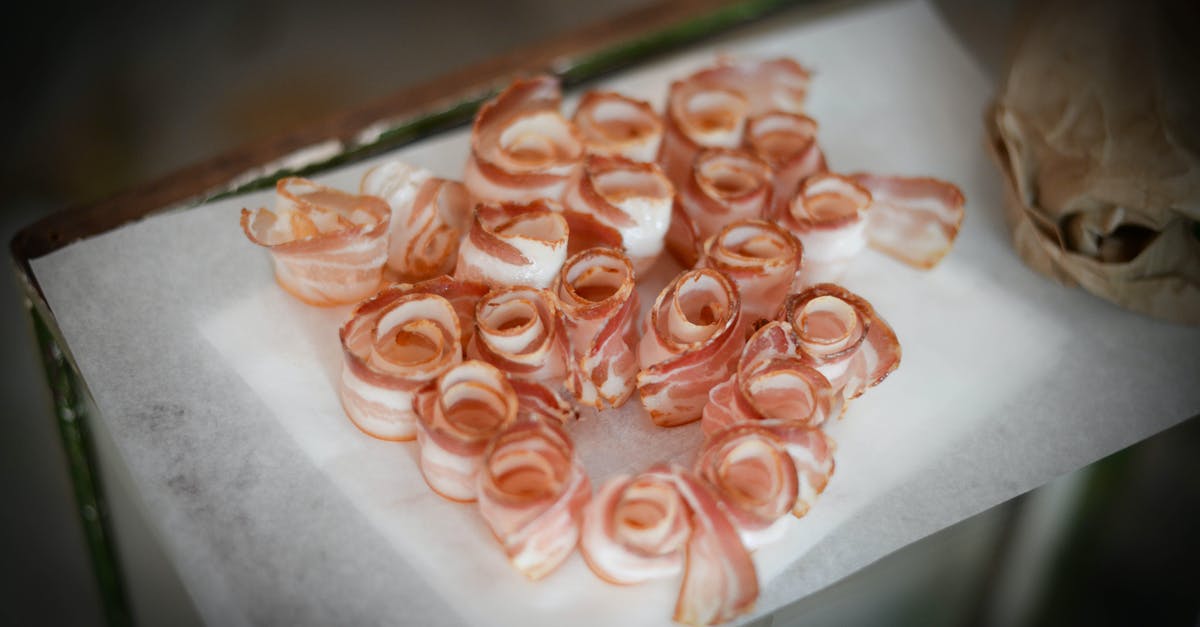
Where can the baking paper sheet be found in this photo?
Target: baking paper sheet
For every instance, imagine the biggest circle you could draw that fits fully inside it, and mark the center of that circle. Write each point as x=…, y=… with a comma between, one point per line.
x=220, y=390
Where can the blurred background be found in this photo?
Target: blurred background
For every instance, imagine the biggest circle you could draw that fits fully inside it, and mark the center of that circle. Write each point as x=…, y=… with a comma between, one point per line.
x=103, y=97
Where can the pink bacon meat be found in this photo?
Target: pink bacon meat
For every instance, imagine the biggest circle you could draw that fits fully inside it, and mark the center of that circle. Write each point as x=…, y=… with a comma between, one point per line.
x=829, y=216
x=724, y=185
x=522, y=148
x=664, y=521
x=913, y=220
x=517, y=330
x=328, y=247
x=429, y=217
x=532, y=491
x=691, y=340
x=598, y=306
x=761, y=258
x=612, y=124
x=619, y=203
x=514, y=244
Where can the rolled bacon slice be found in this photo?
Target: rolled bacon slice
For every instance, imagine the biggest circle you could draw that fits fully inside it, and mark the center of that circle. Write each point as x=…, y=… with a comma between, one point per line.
x=328, y=247
x=532, y=491
x=773, y=382
x=522, y=148
x=761, y=258
x=843, y=335
x=711, y=107
x=429, y=217
x=469, y=405
x=691, y=340
x=619, y=203
x=664, y=521
x=394, y=345
x=724, y=186
x=518, y=331
x=612, y=124
x=598, y=306
x=788, y=143
x=754, y=477
x=913, y=220
x=514, y=244
x=829, y=216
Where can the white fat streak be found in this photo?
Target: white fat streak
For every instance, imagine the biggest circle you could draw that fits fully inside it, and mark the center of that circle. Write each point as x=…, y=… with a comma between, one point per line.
x=652, y=217
x=452, y=475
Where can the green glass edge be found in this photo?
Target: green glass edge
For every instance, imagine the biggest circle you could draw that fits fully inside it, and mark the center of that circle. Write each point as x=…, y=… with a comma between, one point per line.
x=71, y=402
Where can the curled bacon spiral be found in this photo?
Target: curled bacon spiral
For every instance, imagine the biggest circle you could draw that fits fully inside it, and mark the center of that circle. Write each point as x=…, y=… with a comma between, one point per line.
x=518, y=331
x=618, y=203
x=616, y=125
x=841, y=333
x=761, y=258
x=394, y=345
x=532, y=491
x=664, y=521
x=514, y=244
x=690, y=342
x=788, y=143
x=598, y=306
x=724, y=185
x=755, y=479
x=328, y=247
x=522, y=148
x=469, y=405
x=913, y=220
x=829, y=216
x=429, y=217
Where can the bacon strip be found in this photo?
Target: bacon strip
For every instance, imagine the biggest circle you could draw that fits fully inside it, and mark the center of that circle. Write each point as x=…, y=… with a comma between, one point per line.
x=788, y=143
x=612, y=124
x=328, y=247
x=394, y=345
x=829, y=216
x=514, y=244
x=618, y=203
x=660, y=522
x=469, y=405
x=913, y=220
x=518, y=331
x=429, y=217
x=839, y=330
x=532, y=491
x=522, y=148
x=724, y=185
x=711, y=107
x=598, y=307
x=812, y=452
x=761, y=258
x=754, y=477
x=690, y=342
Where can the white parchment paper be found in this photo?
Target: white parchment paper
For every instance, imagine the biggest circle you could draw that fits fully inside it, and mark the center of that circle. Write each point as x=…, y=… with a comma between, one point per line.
x=220, y=390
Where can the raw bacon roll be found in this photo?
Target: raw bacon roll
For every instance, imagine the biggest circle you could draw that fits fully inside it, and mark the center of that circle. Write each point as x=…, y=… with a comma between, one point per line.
x=914, y=220
x=532, y=491
x=469, y=405
x=598, y=306
x=812, y=452
x=514, y=244
x=754, y=477
x=691, y=340
x=394, y=345
x=518, y=331
x=788, y=143
x=723, y=186
x=618, y=203
x=612, y=124
x=829, y=216
x=328, y=247
x=429, y=217
x=522, y=148
x=761, y=258
x=841, y=333
x=664, y=521
x=711, y=107
x=773, y=382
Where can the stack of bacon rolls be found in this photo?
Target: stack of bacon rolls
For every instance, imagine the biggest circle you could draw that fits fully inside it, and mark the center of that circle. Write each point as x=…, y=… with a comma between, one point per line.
x=488, y=310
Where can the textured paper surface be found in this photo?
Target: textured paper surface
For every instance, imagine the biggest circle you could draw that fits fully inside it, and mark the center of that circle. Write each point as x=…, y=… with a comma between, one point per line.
x=220, y=390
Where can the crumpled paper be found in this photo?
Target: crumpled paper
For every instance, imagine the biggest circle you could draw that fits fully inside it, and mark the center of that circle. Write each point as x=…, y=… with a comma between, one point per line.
x=1097, y=131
